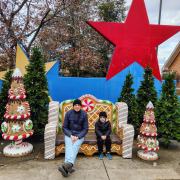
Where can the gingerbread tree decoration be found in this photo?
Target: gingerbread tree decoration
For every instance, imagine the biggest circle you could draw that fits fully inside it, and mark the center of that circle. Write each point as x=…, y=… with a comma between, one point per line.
x=147, y=140
x=17, y=124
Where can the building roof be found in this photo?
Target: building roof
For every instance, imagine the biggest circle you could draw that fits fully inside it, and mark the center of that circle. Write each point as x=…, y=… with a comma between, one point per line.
x=172, y=57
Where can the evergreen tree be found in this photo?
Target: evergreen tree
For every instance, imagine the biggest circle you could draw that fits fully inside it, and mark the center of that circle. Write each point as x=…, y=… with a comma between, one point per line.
x=6, y=83
x=128, y=97
x=146, y=93
x=167, y=111
x=36, y=85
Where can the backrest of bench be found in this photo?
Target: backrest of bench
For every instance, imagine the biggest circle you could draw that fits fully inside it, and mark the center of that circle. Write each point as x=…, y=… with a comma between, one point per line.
x=92, y=107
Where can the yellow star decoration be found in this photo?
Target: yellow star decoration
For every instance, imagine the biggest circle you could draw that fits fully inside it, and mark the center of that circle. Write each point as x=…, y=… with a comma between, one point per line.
x=22, y=61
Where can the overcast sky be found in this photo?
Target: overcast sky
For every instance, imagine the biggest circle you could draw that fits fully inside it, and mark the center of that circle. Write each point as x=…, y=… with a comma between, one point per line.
x=170, y=15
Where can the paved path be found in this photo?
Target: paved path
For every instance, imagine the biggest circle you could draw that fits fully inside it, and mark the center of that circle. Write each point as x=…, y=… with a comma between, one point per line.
x=35, y=167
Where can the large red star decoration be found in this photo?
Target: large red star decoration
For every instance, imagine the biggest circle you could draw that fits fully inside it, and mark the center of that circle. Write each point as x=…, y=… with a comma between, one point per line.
x=134, y=40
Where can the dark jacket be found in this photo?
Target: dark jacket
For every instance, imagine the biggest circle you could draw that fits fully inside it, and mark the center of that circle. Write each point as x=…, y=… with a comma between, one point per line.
x=75, y=124
x=102, y=128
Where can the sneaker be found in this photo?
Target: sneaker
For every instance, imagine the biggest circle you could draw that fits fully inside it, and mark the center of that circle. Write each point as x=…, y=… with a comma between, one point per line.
x=101, y=156
x=69, y=167
x=109, y=155
x=63, y=171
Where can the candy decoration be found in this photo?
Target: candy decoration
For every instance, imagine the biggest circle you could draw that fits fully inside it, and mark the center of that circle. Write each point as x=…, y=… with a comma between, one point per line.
x=149, y=149
x=18, y=137
x=29, y=125
x=21, y=109
x=17, y=97
x=147, y=140
x=17, y=117
x=26, y=103
x=7, y=108
x=15, y=90
x=151, y=143
x=15, y=128
x=22, y=91
x=25, y=144
x=4, y=127
x=87, y=105
x=10, y=91
x=18, y=142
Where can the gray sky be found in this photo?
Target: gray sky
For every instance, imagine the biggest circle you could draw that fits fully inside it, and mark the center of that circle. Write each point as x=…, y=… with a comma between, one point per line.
x=170, y=15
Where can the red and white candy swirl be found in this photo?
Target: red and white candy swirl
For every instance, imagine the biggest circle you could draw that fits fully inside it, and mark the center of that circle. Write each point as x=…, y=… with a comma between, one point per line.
x=7, y=108
x=17, y=76
x=27, y=104
x=22, y=91
x=149, y=121
x=146, y=148
x=17, y=117
x=18, y=137
x=149, y=134
x=17, y=97
x=10, y=91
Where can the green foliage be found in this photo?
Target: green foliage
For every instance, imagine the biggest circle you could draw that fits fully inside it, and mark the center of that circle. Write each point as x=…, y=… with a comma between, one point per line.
x=112, y=11
x=146, y=93
x=35, y=83
x=128, y=97
x=167, y=111
x=6, y=83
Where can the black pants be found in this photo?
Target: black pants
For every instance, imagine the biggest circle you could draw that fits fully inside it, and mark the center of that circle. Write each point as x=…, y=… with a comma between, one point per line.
x=100, y=143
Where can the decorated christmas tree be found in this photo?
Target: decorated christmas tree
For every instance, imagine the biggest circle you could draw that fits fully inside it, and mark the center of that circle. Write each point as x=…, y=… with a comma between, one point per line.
x=147, y=140
x=17, y=124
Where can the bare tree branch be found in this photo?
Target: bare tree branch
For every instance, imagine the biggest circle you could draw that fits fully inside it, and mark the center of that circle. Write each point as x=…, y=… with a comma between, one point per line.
x=38, y=29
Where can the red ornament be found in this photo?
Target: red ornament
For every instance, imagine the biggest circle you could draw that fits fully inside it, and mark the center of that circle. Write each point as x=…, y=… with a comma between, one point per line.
x=135, y=40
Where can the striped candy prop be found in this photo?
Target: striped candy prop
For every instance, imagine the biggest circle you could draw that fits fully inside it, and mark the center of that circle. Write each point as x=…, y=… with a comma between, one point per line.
x=17, y=97
x=51, y=129
x=17, y=117
x=128, y=129
x=18, y=137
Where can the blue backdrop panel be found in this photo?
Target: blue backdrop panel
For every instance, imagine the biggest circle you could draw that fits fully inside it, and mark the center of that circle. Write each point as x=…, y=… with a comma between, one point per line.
x=63, y=88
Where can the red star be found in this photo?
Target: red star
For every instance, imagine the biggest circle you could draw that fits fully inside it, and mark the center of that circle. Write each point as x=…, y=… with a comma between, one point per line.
x=134, y=40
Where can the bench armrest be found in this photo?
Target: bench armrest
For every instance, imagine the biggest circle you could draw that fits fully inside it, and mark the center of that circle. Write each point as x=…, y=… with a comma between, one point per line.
x=53, y=114
x=128, y=129
x=128, y=137
x=51, y=130
x=49, y=141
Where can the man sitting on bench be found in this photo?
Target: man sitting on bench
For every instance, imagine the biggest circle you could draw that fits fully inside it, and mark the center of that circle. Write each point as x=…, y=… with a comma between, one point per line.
x=75, y=127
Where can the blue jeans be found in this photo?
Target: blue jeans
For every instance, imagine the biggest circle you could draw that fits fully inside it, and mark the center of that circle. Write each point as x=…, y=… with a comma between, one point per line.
x=71, y=150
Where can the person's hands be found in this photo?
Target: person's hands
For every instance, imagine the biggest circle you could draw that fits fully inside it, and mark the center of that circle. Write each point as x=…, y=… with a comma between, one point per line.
x=103, y=137
x=76, y=138
x=72, y=138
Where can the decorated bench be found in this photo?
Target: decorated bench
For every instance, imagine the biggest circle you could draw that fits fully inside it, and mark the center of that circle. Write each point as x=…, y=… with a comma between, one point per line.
x=122, y=133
